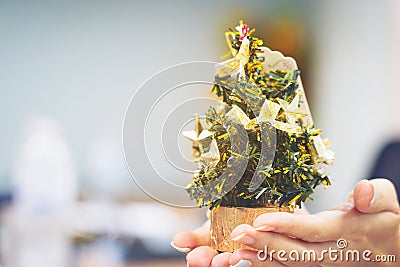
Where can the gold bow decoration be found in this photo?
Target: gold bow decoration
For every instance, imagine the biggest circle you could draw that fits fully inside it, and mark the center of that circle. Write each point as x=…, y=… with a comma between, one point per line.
x=212, y=157
x=320, y=151
x=237, y=115
x=292, y=110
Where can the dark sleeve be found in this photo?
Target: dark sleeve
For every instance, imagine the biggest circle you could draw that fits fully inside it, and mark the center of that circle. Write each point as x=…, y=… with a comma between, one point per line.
x=388, y=165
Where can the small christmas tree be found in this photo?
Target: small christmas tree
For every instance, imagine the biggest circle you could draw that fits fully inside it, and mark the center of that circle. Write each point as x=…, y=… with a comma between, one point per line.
x=261, y=149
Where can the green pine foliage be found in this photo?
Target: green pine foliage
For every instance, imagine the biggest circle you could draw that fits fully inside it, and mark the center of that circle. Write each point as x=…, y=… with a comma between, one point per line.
x=294, y=173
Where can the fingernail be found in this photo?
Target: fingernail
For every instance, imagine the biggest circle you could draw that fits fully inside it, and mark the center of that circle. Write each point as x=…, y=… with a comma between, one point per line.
x=373, y=200
x=266, y=228
x=244, y=238
x=236, y=238
x=184, y=250
x=242, y=263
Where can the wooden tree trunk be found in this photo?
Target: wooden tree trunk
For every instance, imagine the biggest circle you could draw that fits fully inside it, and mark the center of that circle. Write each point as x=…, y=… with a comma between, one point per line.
x=225, y=219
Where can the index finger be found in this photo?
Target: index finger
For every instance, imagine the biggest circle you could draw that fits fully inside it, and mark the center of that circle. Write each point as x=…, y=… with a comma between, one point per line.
x=310, y=228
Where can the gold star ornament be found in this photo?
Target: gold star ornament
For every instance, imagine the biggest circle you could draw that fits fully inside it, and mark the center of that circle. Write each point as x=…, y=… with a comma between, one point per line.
x=197, y=135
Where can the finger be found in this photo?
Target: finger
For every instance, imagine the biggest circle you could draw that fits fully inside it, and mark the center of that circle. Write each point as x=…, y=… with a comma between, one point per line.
x=221, y=260
x=201, y=257
x=185, y=241
x=283, y=249
x=346, y=206
x=241, y=230
x=311, y=228
x=247, y=235
x=375, y=195
x=240, y=256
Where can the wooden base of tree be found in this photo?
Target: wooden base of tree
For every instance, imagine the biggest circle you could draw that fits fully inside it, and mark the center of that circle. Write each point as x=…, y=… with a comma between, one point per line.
x=225, y=219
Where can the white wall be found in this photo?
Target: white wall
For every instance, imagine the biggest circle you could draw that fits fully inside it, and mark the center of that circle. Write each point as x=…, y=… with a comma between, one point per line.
x=81, y=61
x=357, y=88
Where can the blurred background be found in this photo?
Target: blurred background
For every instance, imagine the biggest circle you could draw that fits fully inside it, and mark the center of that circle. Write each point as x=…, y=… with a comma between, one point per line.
x=68, y=70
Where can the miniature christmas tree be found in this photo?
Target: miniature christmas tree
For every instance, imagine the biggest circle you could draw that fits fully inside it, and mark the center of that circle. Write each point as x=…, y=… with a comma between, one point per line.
x=261, y=150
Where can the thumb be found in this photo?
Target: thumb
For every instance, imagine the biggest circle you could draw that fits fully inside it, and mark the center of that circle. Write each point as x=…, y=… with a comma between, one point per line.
x=375, y=195
x=186, y=241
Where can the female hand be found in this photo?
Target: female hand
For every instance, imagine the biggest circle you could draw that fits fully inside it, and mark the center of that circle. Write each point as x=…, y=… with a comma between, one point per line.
x=369, y=220
x=197, y=246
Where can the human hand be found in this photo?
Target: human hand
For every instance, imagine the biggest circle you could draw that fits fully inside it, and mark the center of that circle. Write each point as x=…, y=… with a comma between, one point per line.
x=197, y=246
x=369, y=220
